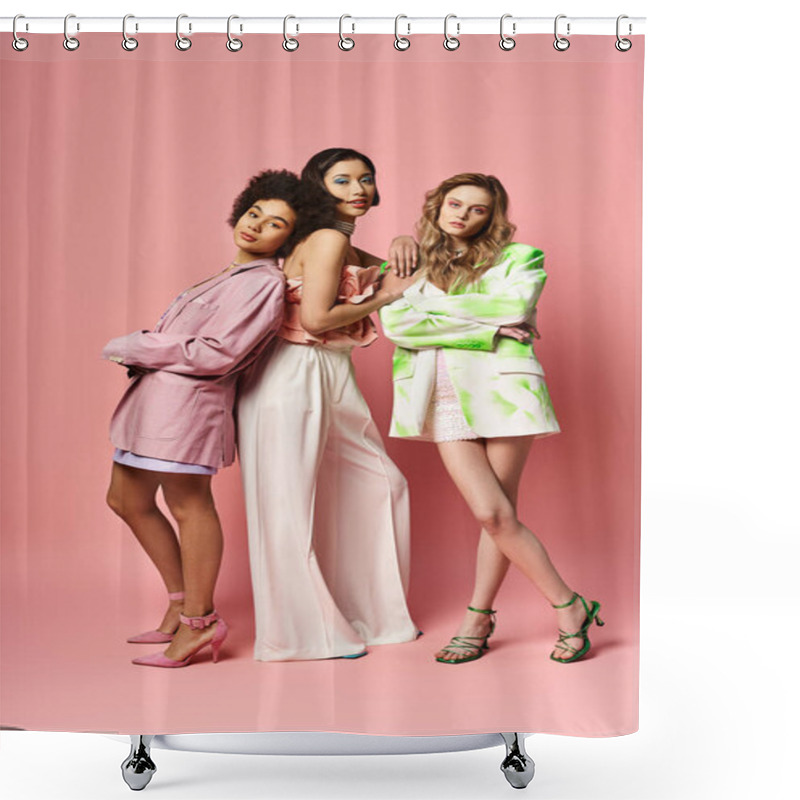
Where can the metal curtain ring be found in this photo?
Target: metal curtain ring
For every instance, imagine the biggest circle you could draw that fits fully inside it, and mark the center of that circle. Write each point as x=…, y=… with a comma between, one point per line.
x=290, y=44
x=561, y=44
x=506, y=42
x=181, y=42
x=128, y=42
x=18, y=43
x=451, y=42
x=70, y=42
x=345, y=42
x=400, y=42
x=623, y=45
x=233, y=44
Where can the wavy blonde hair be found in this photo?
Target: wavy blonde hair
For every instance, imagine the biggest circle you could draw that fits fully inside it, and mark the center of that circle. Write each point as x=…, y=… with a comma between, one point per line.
x=439, y=261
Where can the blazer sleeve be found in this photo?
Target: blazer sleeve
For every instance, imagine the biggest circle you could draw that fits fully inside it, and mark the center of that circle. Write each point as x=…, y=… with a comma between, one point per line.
x=409, y=327
x=248, y=313
x=510, y=302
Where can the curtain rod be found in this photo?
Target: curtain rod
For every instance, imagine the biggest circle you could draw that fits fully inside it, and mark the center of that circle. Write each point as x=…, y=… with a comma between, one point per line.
x=406, y=25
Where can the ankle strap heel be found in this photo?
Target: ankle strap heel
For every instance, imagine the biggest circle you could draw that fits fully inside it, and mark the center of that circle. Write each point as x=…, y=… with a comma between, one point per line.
x=569, y=602
x=156, y=636
x=469, y=648
x=198, y=623
x=571, y=652
x=490, y=612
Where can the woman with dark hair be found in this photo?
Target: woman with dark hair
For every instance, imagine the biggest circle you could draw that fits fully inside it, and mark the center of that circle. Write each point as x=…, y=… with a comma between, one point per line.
x=174, y=426
x=327, y=509
x=466, y=377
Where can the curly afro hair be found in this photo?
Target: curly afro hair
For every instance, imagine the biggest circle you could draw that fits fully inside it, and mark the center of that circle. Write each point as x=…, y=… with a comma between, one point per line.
x=314, y=206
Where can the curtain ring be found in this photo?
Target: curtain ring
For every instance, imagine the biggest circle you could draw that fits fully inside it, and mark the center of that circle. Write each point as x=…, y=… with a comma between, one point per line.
x=345, y=42
x=561, y=44
x=233, y=44
x=128, y=42
x=18, y=43
x=181, y=42
x=70, y=42
x=623, y=45
x=400, y=42
x=290, y=44
x=506, y=42
x=451, y=42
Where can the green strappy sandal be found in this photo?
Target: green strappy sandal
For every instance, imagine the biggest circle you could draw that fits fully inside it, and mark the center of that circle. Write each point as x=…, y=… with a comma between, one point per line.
x=574, y=653
x=469, y=648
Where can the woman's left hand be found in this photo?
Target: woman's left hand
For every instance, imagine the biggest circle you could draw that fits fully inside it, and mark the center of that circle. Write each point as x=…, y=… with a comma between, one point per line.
x=522, y=333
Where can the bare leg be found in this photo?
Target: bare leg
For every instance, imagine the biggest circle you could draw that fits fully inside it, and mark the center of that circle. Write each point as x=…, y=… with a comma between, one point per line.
x=507, y=461
x=468, y=464
x=190, y=502
x=132, y=496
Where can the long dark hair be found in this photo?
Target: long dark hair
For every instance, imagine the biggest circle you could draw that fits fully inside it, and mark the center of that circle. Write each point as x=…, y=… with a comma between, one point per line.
x=316, y=167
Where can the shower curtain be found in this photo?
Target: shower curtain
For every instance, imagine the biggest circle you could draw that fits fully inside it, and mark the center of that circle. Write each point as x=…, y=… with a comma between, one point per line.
x=119, y=169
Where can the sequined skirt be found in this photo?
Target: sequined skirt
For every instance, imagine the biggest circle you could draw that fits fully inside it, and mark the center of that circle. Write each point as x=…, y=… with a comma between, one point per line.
x=445, y=421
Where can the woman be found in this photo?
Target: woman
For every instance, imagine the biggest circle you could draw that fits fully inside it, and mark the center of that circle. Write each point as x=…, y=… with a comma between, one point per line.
x=327, y=510
x=174, y=427
x=466, y=377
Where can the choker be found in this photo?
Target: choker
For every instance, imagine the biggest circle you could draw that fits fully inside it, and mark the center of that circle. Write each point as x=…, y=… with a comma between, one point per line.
x=346, y=228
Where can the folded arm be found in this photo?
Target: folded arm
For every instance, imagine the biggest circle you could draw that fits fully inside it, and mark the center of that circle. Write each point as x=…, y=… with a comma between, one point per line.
x=512, y=302
x=470, y=320
x=249, y=312
x=413, y=329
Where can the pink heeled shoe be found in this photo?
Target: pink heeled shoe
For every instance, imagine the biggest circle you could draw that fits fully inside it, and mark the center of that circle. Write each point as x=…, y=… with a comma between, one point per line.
x=196, y=623
x=156, y=636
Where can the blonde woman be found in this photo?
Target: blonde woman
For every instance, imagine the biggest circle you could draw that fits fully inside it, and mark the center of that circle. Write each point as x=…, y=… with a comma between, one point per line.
x=466, y=377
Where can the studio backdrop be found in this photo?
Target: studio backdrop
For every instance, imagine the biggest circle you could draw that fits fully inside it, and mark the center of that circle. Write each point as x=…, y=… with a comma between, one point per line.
x=119, y=172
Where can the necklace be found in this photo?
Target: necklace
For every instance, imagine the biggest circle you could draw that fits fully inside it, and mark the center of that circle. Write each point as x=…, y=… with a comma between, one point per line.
x=346, y=228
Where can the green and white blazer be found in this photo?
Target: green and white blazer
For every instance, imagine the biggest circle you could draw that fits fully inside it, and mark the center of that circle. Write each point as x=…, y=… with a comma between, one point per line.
x=498, y=380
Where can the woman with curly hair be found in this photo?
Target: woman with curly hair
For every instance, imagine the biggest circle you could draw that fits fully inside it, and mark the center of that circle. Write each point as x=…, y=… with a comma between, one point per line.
x=174, y=426
x=327, y=509
x=466, y=377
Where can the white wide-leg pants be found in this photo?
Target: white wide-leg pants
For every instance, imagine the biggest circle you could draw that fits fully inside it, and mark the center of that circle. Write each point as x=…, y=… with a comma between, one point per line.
x=327, y=510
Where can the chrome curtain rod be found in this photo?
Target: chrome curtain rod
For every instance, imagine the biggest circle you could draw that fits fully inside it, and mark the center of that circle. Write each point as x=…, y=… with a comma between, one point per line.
x=349, y=24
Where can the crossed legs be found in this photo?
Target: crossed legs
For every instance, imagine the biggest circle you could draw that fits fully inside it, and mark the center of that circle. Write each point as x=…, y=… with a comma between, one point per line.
x=487, y=473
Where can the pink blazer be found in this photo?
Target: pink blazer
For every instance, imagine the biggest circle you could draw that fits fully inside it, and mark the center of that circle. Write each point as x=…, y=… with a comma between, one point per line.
x=181, y=408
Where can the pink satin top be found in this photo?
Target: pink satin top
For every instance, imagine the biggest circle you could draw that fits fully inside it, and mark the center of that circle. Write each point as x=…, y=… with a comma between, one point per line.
x=357, y=285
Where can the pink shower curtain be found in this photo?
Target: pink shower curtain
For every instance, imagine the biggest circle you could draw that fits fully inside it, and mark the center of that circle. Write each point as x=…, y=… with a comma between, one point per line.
x=119, y=169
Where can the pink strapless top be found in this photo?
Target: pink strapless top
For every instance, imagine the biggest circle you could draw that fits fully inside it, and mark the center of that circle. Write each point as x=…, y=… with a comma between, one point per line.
x=357, y=284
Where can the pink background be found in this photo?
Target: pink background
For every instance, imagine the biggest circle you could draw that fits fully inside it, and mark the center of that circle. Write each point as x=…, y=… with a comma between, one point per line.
x=119, y=170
